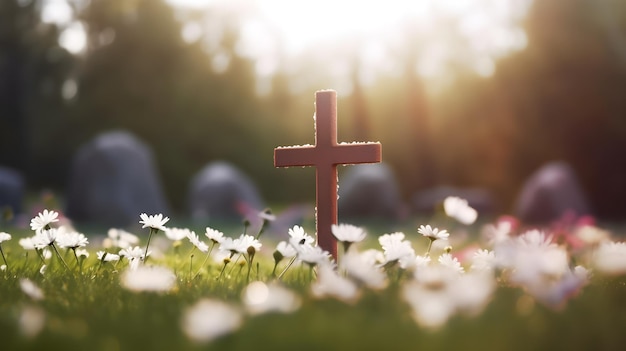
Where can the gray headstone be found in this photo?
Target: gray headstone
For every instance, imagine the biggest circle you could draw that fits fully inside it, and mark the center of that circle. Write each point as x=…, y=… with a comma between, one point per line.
x=549, y=193
x=221, y=191
x=428, y=200
x=11, y=189
x=113, y=180
x=369, y=191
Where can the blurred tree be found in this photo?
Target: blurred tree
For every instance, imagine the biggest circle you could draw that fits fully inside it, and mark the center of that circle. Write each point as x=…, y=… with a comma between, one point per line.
x=33, y=70
x=578, y=92
x=562, y=98
x=139, y=74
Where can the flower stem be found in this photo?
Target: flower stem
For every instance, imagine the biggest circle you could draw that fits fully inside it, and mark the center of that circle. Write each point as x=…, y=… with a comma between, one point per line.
x=190, y=266
x=346, y=246
x=4, y=258
x=145, y=254
x=75, y=256
x=204, y=262
x=293, y=259
x=263, y=226
x=235, y=264
x=59, y=256
x=222, y=271
x=40, y=255
x=430, y=245
x=249, y=267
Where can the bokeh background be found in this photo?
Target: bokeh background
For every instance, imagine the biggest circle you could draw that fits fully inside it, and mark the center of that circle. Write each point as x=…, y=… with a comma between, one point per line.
x=467, y=93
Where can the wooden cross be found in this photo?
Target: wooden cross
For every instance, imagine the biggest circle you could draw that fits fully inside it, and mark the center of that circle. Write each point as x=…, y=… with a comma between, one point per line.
x=325, y=155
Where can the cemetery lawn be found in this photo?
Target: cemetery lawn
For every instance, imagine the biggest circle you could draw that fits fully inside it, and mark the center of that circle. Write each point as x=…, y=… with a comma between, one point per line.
x=89, y=310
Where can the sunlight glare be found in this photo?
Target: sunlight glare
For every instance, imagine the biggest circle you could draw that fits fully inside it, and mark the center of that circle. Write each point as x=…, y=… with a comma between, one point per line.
x=375, y=36
x=74, y=38
x=56, y=11
x=472, y=33
x=307, y=23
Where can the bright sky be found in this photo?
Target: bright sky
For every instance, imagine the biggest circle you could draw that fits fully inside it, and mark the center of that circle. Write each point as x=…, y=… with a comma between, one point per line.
x=473, y=33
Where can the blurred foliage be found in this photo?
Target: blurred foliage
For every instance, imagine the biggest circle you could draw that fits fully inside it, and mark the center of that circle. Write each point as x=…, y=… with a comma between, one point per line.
x=33, y=69
x=89, y=310
x=148, y=80
x=560, y=98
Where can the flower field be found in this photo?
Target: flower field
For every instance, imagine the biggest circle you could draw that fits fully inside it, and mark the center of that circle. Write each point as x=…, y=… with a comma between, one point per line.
x=493, y=286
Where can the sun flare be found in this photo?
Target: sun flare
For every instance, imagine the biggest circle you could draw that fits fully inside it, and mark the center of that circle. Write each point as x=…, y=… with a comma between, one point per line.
x=375, y=36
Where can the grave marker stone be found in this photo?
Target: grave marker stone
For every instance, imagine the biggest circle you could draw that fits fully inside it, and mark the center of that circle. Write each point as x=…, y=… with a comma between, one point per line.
x=220, y=190
x=113, y=179
x=11, y=189
x=551, y=192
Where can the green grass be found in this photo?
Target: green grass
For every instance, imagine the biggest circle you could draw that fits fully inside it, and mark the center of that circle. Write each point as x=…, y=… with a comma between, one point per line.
x=89, y=310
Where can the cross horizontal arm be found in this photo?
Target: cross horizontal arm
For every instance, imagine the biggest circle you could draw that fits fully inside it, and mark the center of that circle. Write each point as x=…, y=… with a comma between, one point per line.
x=354, y=153
x=295, y=156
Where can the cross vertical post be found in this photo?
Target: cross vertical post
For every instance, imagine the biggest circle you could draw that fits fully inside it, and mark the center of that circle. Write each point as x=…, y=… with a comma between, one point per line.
x=325, y=155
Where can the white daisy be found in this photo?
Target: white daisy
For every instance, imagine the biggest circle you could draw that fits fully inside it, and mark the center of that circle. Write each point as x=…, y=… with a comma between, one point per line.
x=107, y=256
x=176, y=234
x=592, y=235
x=421, y=261
x=297, y=237
x=285, y=250
x=267, y=215
x=152, y=279
x=362, y=269
x=373, y=256
x=221, y=256
x=259, y=298
x=214, y=235
x=31, y=321
x=46, y=253
x=483, y=260
x=331, y=284
x=195, y=240
x=43, y=220
x=31, y=289
x=531, y=259
x=610, y=258
x=120, y=238
x=348, y=234
x=82, y=253
x=535, y=238
x=472, y=292
x=231, y=245
x=71, y=240
x=44, y=238
x=134, y=255
x=154, y=221
x=27, y=243
x=497, y=233
x=395, y=248
x=4, y=237
x=430, y=303
x=209, y=319
x=451, y=262
x=248, y=244
x=433, y=233
x=460, y=210
x=555, y=291
x=313, y=255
